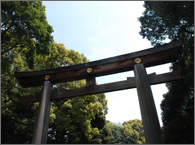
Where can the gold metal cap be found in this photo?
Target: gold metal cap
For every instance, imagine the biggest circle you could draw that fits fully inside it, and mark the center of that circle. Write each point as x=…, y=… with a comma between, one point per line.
x=47, y=77
x=89, y=70
x=137, y=60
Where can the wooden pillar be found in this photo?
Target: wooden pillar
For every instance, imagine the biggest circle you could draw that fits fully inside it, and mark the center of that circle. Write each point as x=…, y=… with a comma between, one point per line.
x=42, y=121
x=90, y=81
x=150, y=120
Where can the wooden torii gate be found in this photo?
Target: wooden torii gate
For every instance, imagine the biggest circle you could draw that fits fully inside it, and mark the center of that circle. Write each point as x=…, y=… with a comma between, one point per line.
x=136, y=61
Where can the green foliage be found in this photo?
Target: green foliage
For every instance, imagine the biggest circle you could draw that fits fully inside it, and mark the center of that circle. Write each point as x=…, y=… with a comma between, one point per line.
x=76, y=120
x=133, y=132
x=17, y=120
x=167, y=19
x=174, y=20
x=80, y=119
x=130, y=132
x=27, y=45
x=117, y=133
x=22, y=22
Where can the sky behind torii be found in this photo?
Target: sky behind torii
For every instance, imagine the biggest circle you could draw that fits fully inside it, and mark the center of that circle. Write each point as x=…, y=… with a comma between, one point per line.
x=103, y=29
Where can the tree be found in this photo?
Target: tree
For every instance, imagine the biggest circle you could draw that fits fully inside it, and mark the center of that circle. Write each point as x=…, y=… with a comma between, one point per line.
x=117, y=133
x=76, y=120
x=167, y=19
x=27, y=45
x=17, y=120
x=130, y=132
x=80, y=119
x=24, y=24
x=174, y=20
x=133, y=132
x=104, y=130
x=24, y=32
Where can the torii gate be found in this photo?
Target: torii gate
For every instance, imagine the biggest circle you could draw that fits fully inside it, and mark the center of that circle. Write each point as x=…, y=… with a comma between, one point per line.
x=138, y=61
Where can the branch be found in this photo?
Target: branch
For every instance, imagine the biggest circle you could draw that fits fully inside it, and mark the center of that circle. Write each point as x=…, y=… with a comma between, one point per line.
x=5, y=23
x=188, y=31
x=2, y=25
x=7, y=28
x=54, y=59
x=184, y=29
x=9, y=49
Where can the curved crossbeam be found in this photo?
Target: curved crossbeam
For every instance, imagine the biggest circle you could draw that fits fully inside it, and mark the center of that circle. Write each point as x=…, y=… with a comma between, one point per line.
x=149, y=57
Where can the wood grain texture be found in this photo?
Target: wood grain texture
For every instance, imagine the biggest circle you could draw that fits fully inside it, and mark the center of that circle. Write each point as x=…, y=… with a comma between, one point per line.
x=150, y=120
x=121, y=85
x=42, y=120
x=90, y=81
x=149, y=57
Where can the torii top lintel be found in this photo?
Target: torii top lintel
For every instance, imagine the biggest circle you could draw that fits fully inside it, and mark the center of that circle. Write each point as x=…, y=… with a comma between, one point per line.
x=149, y=57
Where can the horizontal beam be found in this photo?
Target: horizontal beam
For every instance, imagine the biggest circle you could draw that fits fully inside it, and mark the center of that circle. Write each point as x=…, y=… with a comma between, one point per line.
x=127, y=84
x=149, y=57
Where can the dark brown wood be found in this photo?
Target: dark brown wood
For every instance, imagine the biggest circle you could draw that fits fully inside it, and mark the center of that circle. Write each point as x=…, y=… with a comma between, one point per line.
x=42, y=120
x=162, y=78
x=150, y=120
x=127, y=84
x=90, y=81
x=152, y=75
x=149, y=57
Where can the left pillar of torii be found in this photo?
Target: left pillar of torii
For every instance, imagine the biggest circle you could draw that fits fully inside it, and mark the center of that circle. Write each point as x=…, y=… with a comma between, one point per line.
x=42, y=121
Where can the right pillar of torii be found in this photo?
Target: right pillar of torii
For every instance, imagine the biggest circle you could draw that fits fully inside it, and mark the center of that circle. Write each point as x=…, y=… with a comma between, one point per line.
x=150, y=120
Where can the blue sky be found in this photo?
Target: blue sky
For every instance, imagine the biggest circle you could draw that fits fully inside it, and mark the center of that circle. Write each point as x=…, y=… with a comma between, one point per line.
x=103, y=29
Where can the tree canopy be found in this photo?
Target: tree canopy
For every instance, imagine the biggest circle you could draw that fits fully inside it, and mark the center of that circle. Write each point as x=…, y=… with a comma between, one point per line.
x=76, y=120
x=174, y=20
x=163, y=20
x=133, y=132
x=27, y=44
x=117, y=133
x=130, y=132
x=24, y=24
